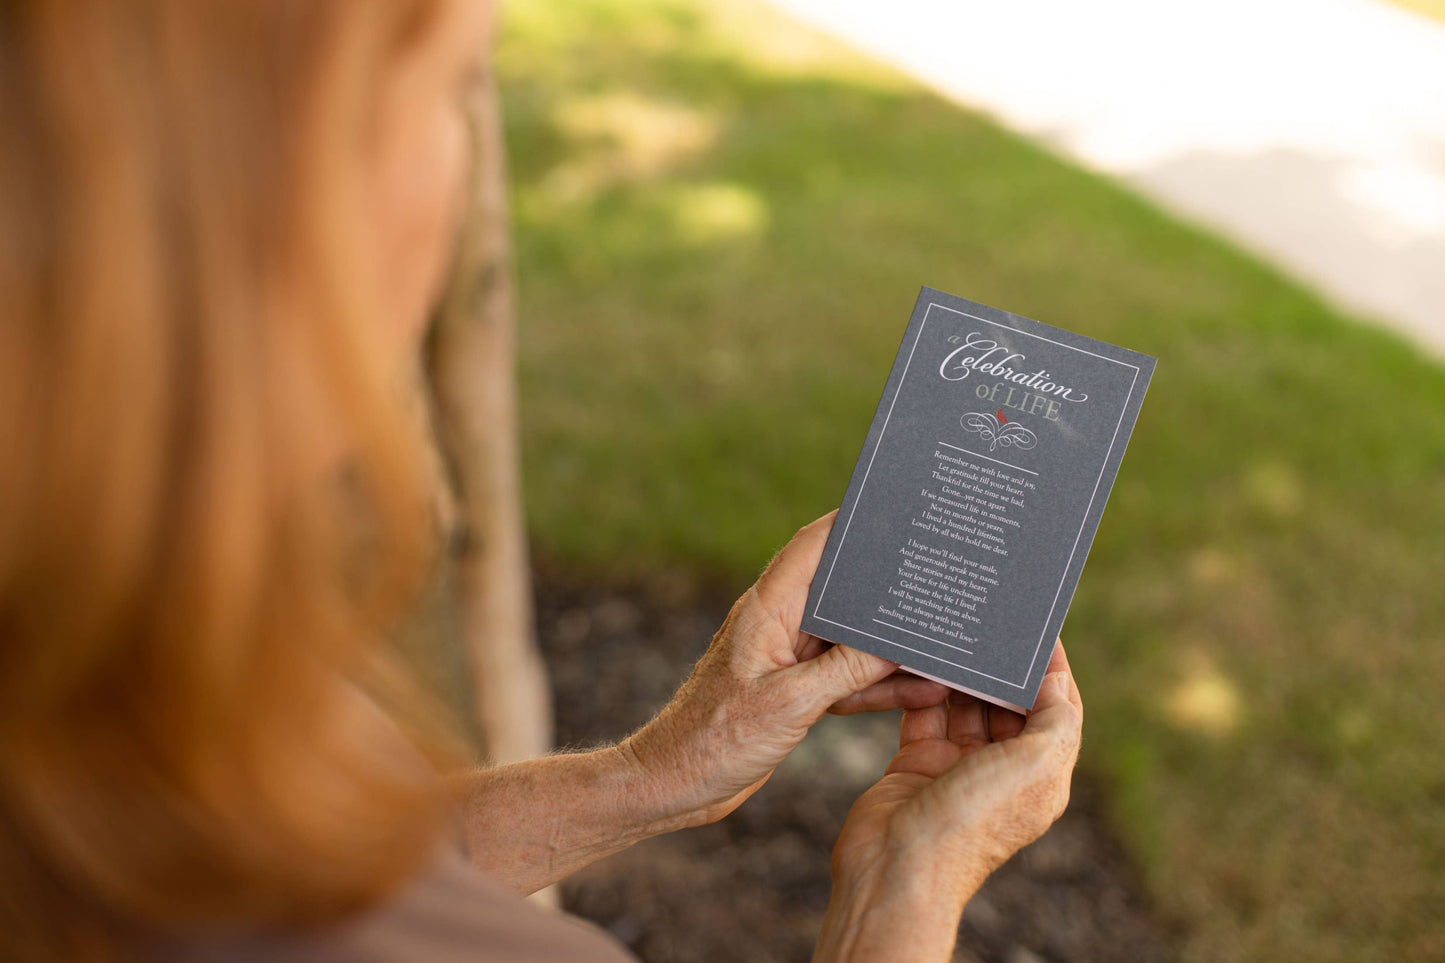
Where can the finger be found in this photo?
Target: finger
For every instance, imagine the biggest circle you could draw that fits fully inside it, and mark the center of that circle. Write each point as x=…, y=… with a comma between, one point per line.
x=783, y=586
x=1059, y=662
x=930, y=722
x=967, y=723
x=1055, y=717
x=810, y=646
x=926, y=757
x=901, y=690
x=838, y=673
x=780, y=594
x=1004, y=723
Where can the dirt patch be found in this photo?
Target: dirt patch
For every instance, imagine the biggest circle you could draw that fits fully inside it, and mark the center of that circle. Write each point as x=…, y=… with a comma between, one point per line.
x=755, y=886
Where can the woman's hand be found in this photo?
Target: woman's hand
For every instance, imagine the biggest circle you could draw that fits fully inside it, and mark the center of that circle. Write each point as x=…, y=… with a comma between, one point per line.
x=971, y=785
x=749, y=701
x=756, y=691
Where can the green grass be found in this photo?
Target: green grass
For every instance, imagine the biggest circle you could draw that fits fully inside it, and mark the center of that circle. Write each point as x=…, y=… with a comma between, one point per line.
x=721, y=225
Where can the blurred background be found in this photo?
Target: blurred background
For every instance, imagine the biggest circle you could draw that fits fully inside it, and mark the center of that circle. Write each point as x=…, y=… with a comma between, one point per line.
x=722, y=213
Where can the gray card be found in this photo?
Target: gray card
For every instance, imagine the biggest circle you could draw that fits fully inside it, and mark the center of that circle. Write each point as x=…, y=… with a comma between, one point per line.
x=973, y=504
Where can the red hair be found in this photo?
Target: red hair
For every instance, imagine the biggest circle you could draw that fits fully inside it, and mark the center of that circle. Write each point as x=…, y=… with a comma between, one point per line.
x=211, y=510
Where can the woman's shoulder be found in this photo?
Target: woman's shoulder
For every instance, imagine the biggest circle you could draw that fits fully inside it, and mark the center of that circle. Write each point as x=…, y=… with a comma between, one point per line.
x=451, y=913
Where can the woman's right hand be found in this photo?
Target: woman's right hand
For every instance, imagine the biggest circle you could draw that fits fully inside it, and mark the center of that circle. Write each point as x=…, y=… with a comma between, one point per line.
x=971, y=785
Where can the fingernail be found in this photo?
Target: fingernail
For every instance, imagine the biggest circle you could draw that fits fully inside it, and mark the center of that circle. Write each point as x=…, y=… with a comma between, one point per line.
x=1060, y=682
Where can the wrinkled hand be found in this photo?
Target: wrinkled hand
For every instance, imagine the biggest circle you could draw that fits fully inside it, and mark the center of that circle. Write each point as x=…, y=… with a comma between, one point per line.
x=971, y=785
x=759, y=687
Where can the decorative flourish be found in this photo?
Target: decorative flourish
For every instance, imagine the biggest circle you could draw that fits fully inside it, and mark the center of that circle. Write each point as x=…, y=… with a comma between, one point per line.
x=998, y=430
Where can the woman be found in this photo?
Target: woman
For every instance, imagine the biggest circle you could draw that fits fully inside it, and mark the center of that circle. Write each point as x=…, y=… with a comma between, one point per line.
x=223, y=226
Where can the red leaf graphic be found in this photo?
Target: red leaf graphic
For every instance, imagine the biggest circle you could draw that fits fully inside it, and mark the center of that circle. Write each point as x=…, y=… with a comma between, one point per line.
x=1001, y=419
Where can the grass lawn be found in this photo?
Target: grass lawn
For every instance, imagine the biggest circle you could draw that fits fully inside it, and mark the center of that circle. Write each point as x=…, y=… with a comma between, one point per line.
x=722, y=222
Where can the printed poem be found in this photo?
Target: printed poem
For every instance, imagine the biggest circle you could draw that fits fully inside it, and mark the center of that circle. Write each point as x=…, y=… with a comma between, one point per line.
x=967, y=510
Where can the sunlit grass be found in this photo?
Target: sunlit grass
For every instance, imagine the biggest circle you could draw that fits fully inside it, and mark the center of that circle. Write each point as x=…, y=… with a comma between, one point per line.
x=710, y=308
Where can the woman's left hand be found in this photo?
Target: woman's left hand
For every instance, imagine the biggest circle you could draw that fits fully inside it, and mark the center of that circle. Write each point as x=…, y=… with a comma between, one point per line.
x=756, y=691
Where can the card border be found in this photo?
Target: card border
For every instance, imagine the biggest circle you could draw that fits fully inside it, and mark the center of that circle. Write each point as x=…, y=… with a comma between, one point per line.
x=1084, y=522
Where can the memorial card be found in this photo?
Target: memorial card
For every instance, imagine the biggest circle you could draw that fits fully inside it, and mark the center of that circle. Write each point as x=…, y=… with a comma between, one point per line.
x=966, y=523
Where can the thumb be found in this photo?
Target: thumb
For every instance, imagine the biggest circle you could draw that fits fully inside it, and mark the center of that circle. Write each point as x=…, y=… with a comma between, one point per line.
x=839, y=672
x=784, y=583
x=1057, y=714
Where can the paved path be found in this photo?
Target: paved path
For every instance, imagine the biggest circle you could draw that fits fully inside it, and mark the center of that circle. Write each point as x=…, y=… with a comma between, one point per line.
x=1310, y=131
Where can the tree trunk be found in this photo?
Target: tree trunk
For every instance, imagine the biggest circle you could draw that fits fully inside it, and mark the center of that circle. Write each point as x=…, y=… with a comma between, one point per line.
x=472, y=370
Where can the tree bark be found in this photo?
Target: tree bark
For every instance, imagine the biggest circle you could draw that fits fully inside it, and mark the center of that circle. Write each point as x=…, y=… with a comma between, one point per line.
x=472, y=362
